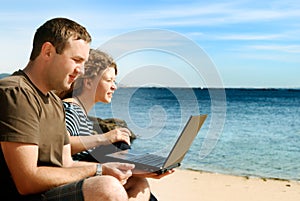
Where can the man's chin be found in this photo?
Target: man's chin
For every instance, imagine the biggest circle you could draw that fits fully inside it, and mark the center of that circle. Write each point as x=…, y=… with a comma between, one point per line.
x=66, y=87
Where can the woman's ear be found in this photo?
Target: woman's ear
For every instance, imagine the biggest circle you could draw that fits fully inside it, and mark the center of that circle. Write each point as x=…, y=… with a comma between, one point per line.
x=88, y=83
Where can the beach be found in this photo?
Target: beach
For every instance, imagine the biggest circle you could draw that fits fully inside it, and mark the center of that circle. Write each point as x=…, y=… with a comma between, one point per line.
x=205, y=186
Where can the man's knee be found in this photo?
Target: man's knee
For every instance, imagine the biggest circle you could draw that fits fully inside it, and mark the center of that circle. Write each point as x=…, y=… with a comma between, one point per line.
x=138, y=187
x=139, y=181
x=103, y=188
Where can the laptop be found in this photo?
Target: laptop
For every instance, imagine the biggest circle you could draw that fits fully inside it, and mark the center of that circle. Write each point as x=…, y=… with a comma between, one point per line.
x=154, y=163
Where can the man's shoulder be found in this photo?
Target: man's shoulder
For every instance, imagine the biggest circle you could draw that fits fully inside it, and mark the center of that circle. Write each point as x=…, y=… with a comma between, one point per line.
x=16, y=86
x=15, y=80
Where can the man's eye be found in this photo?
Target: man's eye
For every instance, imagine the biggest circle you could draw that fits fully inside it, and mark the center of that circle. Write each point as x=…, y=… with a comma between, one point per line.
x=77, y=61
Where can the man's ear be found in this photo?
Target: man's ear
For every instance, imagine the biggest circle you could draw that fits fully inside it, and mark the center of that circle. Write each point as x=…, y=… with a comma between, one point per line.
x=47, y=50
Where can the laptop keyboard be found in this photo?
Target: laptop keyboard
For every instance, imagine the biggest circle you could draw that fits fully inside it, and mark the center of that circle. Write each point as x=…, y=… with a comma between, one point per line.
x=148, y=159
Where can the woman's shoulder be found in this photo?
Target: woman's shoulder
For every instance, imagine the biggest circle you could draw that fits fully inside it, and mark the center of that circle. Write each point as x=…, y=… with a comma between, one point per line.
x=69, y=100
x=70, y=105
x=73, y=108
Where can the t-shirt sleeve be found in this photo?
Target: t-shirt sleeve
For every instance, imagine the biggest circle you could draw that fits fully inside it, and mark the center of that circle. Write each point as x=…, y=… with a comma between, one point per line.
x=19, y=118
x=72, y=119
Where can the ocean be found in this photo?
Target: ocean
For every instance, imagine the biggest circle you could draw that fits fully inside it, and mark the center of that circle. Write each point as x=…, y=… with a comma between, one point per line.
x=248, y=132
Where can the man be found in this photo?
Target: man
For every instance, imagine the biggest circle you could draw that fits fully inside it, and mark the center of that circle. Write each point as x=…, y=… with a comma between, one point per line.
x=35, y=156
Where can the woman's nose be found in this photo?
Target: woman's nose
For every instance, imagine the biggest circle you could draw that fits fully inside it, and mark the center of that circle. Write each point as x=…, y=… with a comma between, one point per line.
x=114, y=86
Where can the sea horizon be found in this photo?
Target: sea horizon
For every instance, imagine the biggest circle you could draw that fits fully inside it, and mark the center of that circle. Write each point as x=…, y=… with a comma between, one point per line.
x=120, y=85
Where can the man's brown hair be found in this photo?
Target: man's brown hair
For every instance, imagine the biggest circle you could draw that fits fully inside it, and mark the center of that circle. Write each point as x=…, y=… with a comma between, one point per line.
x=57, y=31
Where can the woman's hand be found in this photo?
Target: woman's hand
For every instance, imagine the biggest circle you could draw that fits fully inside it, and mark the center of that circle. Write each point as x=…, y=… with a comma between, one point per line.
x=116, y=135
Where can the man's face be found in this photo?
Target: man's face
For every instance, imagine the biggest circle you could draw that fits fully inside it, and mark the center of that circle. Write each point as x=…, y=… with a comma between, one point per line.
x=66, y=67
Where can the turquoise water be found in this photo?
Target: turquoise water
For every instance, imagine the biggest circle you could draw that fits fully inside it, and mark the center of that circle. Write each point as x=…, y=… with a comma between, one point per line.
x=260, y=133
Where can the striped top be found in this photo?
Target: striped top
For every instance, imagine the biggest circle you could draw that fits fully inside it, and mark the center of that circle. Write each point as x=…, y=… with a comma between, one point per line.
x=78, y=124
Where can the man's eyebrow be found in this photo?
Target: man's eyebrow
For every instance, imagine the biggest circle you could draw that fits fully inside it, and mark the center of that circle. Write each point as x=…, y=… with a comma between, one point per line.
x=80, y=58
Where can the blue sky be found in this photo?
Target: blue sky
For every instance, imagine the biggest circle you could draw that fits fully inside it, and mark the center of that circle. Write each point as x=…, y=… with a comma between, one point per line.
x=251, y=43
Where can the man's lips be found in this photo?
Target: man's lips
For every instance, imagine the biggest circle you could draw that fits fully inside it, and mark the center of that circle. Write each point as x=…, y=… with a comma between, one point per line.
x=72, y=78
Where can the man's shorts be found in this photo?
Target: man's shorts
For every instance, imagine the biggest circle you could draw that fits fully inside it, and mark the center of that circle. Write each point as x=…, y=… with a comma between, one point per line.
x=67, y=192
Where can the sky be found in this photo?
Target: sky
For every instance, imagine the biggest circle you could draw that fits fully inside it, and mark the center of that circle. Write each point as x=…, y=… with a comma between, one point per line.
x=247, y=43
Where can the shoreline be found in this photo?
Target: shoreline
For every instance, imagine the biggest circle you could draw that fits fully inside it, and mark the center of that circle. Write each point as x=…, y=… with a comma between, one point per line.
x=194, y=185
x=245, y=176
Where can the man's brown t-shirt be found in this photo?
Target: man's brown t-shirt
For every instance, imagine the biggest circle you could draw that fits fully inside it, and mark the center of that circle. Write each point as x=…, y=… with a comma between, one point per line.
x=29, y=116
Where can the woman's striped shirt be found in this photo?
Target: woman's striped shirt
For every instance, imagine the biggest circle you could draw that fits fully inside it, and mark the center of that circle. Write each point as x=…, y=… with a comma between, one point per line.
x=78, y=124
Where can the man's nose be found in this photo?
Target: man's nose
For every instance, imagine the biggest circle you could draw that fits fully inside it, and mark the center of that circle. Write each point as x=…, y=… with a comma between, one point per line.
x=80, y=70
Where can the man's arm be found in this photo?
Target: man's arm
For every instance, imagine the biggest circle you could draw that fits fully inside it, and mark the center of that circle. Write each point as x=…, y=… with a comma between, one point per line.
x=22, y=159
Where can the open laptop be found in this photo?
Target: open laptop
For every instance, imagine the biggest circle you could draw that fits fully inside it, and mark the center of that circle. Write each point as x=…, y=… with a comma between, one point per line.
x=158, y=164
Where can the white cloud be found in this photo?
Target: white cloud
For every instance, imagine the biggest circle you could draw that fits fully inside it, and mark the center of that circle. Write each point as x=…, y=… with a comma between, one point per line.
x=279, y=48
x=213, y=14
x=249, y=37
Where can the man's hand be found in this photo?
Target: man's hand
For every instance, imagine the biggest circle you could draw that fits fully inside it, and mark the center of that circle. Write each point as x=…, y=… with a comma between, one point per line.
x=152, y=175
x=121, y=171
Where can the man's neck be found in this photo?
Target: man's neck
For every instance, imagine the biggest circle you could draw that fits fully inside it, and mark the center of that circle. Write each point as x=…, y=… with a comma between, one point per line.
x=35, y=77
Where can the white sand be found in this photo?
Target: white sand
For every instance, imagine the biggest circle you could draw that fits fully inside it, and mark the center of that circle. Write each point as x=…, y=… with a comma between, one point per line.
x=186, y=185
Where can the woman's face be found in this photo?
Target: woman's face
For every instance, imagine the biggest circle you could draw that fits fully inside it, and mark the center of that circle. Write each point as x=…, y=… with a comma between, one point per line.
x=106, y=86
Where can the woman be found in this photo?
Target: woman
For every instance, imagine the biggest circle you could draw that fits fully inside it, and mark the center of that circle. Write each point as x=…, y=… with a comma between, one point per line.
x=97, y=85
